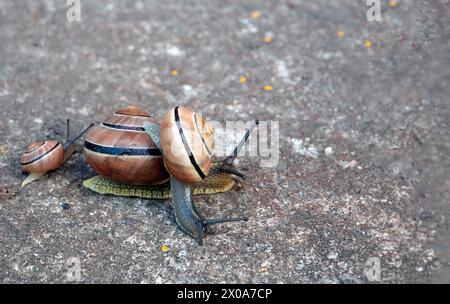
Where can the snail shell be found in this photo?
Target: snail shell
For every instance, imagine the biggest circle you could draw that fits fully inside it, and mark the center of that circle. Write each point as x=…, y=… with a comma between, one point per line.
x=187, y=141
x=42, y=156
x=120, y=150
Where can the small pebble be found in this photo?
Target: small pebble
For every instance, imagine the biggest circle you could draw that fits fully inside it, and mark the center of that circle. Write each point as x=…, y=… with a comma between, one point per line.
x=2, y=150
x=187, y=88
x=268, y=88
x=255, y=14
x=268, y=37
x=332, y=255
x=368, y=44
x=242, y=79
x=265, y=264
x=174, y=51
x=328, y=151
x=348, y=164
x=393, y=3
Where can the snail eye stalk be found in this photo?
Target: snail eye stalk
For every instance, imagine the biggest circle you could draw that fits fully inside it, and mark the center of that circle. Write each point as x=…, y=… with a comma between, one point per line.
x=230, y=159
x=68, y=129
x=68, y=143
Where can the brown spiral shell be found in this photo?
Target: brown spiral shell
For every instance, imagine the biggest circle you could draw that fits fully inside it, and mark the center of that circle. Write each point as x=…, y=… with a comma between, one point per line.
x=120, y=149
x=187, y=141
x=42, y=156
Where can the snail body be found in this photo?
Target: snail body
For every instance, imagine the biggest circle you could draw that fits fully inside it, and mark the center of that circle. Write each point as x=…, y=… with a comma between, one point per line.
x=120, y=150
x=215, y=182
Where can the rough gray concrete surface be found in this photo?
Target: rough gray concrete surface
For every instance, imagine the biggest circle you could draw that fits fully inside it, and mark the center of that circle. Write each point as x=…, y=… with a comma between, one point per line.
x=383, y=109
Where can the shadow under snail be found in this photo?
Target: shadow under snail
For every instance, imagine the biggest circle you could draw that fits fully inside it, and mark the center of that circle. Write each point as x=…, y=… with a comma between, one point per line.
x=136, y=157
x=43, y=156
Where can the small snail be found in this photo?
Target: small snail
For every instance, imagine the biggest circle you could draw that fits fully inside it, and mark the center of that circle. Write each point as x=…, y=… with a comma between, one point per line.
x=43, y=156
x=185, y=143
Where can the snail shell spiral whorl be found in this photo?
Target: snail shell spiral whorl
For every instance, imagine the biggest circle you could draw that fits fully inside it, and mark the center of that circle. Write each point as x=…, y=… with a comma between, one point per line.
x=120, y=149
x=187, y=140
x=42, y=156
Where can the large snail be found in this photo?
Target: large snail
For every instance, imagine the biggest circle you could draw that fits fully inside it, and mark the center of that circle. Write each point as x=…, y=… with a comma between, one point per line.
x=120, y=150
x=185, y=143
x=43, y=156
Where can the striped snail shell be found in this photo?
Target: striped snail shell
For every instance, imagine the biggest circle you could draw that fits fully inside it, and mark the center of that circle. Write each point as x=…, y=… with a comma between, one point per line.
x=120, y=150
x=42, y=156
x=187, y=141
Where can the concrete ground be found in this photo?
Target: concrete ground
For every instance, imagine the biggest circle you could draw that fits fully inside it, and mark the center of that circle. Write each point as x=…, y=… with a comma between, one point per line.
x=363, y=175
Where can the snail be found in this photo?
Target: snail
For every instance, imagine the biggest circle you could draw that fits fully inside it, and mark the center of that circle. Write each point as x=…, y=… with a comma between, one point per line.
x=186, y=140
x=185, y=143
x=43, y=156
x=120, y=150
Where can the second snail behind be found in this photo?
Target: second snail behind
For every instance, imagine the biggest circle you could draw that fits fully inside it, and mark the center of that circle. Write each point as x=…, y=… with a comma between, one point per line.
x=137, y=157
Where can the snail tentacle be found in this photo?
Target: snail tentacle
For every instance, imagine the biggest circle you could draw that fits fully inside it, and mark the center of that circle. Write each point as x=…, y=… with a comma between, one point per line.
x=226, y=165
x=69, y=141
x=231, y=158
